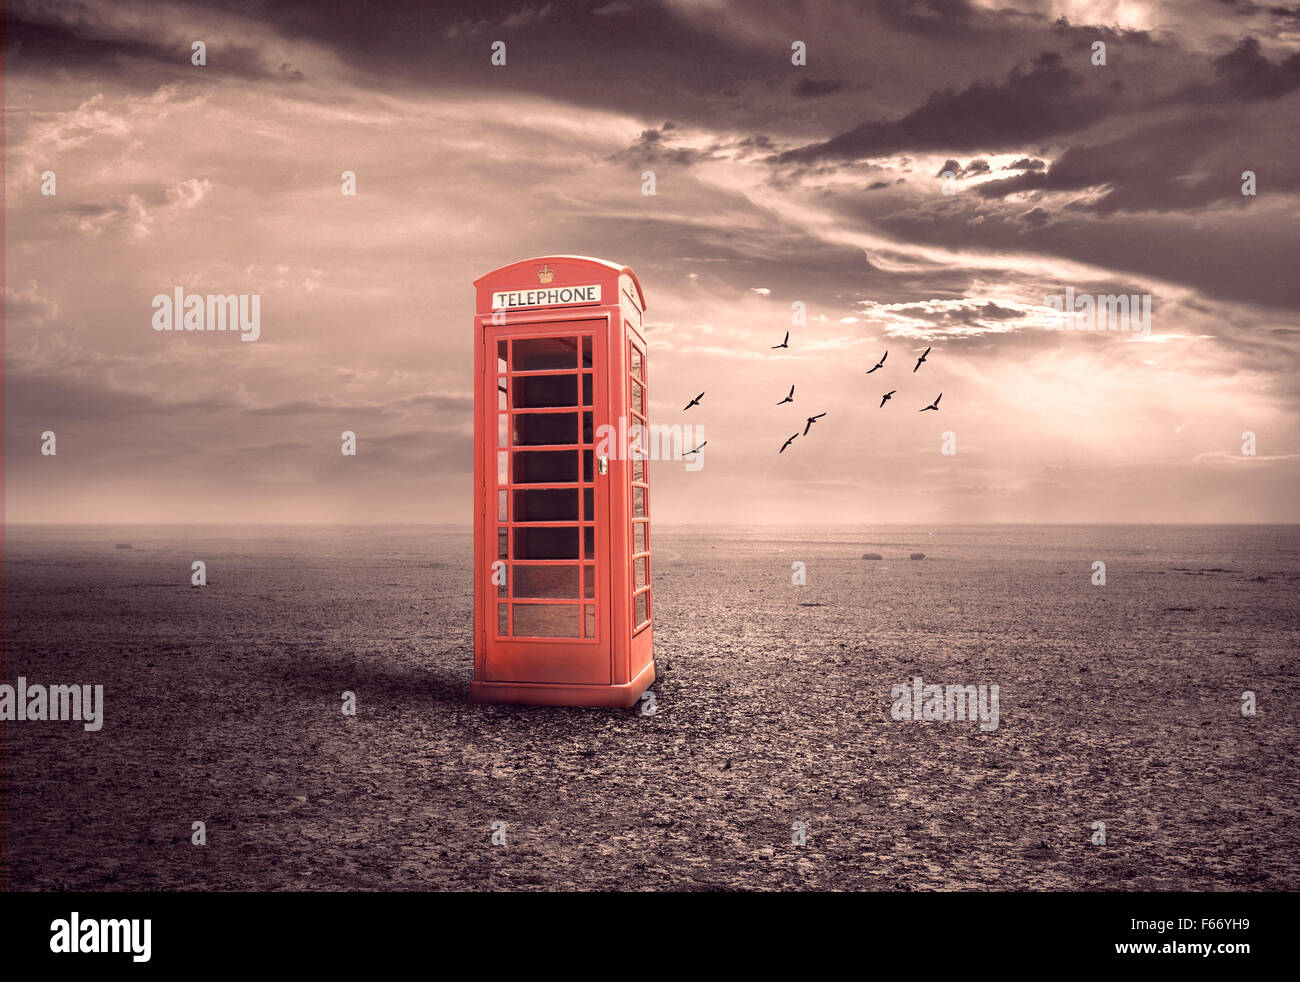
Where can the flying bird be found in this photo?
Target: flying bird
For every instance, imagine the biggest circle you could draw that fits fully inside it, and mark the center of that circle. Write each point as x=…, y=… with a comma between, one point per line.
x=887, y=397
x=811, y=420
x=789, y=398
x=694, y=402
x=785, y=343
x=881, y=363
x=786, y=444
x=934, y=405
x=921, y=360
x=697, y=449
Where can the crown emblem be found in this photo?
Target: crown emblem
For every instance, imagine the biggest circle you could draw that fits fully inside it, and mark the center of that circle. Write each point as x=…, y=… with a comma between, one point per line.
x=545, y=274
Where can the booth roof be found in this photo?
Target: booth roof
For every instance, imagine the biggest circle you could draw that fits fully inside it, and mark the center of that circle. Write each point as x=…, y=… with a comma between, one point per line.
x=616, y=267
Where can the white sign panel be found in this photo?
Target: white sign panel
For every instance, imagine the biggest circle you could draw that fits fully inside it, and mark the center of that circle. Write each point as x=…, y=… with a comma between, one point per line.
x=546, y=296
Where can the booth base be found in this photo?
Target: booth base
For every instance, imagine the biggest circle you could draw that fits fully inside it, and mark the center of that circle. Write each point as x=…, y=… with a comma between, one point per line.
x=555, y=694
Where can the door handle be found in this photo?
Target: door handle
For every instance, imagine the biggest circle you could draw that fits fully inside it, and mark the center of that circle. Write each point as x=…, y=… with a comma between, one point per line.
x=602, y=465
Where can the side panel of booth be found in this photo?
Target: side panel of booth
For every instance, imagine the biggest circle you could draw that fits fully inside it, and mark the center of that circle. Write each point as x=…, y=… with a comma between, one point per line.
x=640, y=651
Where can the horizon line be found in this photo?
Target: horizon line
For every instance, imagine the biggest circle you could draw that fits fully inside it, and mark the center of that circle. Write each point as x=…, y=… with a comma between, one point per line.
x=661, y=524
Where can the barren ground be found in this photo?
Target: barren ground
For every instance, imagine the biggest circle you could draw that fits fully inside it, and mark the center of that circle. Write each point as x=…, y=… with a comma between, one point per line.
x=1118, y=704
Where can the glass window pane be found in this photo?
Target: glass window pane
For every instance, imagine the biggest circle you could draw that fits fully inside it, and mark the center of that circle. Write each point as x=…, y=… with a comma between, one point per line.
x=541, y=354
x=560, y=582
x=638, y=536
x=589, y=543
x=589, y=580
x=503, y=467
x=501, y=393
x=638, y=469
x=503, y=619
x=638, y=404
x=641, y=573
x=586, y=428
x=542, y=429
x=636, y=433
x=503, y=544
x=586, y=351
x=546, y=543
x=588, y=457
x=503, y=429
x=636, y=362
x=638, y=502
x=589, y=621
x=544, y=391
x=546, y=467
x=503, y=500
x=501, y=573
x=642, y=608
x=586, y=390
x=546, y=506
x=546, y=620
x=501, y=357
x=589, y=505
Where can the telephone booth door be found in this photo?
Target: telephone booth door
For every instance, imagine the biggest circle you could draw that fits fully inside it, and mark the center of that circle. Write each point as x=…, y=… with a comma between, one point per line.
x=550, y=620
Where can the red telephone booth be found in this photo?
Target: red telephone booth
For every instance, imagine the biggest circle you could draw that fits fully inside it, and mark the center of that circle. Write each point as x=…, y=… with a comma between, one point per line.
x=562, y=603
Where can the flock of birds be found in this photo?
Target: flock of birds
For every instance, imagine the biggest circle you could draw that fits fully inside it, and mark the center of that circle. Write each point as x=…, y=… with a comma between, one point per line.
x=785, y=343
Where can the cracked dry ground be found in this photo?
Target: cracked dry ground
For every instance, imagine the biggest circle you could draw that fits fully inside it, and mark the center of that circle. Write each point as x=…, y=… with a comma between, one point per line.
x=1118, y=704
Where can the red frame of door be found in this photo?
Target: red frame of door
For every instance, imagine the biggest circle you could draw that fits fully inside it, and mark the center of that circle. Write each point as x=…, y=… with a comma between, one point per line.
x=541, y=659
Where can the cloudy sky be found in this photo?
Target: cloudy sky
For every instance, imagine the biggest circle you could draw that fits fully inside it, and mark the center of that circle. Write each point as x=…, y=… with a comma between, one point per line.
x=818, y=183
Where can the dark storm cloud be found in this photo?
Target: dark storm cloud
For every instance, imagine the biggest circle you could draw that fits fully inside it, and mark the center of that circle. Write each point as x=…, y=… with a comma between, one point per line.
x=553, y=49
x=35, y=41
x=673, y=58
x=668, y=145
x=808, y=88
x=1042, y=99
x=1246, y=73
x=654, y=146
x=953, y=167
x=1034, y=217
x=1163, y=169
x=1250, y=262
x=32, y=43
x=1280, y=17
x=929, y=18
